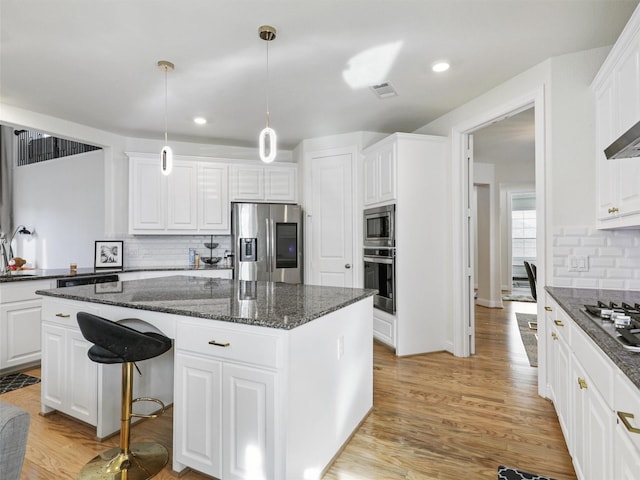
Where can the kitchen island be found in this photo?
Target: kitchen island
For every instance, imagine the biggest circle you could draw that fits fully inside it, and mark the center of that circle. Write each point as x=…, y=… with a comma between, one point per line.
x=268, y=380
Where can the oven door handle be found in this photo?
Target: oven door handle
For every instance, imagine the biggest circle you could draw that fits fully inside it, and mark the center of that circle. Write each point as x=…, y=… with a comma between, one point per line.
x=385, y=260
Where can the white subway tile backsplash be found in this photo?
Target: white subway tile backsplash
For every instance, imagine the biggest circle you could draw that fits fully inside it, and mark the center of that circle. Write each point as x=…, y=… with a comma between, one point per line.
x=170, y=250
x=614, y=258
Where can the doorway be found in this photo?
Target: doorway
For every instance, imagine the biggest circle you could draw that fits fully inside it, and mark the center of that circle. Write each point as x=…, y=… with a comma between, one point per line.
x=463, y=170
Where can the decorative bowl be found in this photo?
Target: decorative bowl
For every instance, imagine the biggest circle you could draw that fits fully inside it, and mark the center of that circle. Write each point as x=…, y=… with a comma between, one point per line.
x=211, y=260
x=211, y=246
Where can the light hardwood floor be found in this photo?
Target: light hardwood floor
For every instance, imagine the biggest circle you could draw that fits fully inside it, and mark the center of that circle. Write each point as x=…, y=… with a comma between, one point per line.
x=435, y=416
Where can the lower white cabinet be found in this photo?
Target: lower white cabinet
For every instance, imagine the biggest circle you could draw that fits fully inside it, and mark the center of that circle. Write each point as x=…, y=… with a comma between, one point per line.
x=20, y=320
x=71, y=384
x=227, y=409
x=592, y=396
x=384, y=327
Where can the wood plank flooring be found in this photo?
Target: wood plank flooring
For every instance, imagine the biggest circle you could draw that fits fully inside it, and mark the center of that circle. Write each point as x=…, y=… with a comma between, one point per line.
x=435, y=416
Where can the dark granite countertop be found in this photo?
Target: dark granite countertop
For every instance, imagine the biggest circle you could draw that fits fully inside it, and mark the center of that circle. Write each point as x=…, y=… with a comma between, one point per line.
x=44, y=274
x=267, y=304
x=572, y=300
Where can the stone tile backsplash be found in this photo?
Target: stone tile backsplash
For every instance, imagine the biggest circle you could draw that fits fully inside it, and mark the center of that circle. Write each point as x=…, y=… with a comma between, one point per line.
x=170, y=250
x=613, y=256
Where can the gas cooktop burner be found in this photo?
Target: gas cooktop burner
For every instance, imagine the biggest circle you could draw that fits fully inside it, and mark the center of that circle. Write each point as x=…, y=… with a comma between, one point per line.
x=621, y=322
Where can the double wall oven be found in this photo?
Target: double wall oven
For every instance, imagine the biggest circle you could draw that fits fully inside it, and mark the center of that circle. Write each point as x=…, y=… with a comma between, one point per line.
x=380, y=256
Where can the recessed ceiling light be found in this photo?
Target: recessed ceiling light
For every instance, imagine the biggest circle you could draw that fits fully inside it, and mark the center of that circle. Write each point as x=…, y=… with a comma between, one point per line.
x=440, y=67
x=200, y=120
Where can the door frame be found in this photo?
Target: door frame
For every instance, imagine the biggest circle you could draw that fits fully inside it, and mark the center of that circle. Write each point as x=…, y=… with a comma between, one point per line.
x=462, y=315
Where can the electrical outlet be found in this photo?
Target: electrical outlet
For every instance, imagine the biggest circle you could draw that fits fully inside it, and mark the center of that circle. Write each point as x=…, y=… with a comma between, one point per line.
x=340, y=346
x=578, y=263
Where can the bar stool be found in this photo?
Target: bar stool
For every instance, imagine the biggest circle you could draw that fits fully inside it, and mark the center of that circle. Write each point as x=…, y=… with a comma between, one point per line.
x=116, y=343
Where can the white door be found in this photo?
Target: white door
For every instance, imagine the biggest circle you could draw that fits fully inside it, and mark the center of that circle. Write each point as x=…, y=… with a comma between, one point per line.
x=331, y=222
x=471, y=235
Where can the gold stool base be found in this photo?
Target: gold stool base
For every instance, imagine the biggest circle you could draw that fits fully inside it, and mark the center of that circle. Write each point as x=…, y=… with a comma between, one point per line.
x=144, y=461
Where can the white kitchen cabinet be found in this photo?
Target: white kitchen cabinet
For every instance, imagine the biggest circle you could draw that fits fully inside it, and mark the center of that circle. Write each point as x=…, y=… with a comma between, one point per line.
x=193, y=199
x=197, y=427
x=379, y=168
x=225, y=393
x=408, y=170
x=626, y=442
x=617, y=97
x=20, y=320
x=593, y=427
x=69, y=377
x=560, y=330
x=213, y=197
x=270, y=183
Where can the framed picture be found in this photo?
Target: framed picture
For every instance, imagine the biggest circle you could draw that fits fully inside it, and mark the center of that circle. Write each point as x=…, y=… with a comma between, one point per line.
x=108, y=254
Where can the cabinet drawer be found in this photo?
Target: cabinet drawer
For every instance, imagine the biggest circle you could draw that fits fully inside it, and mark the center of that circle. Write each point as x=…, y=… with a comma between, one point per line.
x=594, y=362
x=65, y=312
x=230, y=344
x=627, y=402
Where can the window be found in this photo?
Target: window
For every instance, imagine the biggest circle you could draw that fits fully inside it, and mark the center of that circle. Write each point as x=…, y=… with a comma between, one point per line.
x=523, y=232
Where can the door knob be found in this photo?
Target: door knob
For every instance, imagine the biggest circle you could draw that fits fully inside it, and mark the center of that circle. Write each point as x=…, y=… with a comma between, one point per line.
x=347, y=265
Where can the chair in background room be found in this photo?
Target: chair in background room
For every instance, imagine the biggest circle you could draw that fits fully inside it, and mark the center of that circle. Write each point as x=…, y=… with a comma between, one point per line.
x=531, y=275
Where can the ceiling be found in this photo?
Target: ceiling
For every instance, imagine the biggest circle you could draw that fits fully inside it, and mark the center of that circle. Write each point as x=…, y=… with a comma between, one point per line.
x=94, y=62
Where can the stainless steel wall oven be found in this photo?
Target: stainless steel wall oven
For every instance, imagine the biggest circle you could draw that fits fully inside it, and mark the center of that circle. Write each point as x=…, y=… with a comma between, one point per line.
x=380, y=274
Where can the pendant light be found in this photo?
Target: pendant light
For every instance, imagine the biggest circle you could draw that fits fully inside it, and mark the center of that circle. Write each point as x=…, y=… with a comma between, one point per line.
x=166, y=154
x=267, y=140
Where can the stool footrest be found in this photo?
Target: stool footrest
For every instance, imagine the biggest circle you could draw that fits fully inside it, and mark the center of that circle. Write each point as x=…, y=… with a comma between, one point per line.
x=148, y=399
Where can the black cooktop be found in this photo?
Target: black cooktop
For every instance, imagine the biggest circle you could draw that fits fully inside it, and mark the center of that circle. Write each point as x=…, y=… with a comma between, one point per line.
x=622, y=322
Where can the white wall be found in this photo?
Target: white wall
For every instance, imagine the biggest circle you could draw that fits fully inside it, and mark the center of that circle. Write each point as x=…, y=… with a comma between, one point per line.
x=64, y=199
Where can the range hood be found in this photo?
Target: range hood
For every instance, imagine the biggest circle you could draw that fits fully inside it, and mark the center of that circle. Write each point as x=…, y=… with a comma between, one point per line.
x=627, y=146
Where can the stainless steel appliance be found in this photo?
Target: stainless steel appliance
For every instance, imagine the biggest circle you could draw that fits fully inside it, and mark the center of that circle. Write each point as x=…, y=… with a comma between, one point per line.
x=379, y=226
x=380, y=274
x=86, y=280
x=267, y=241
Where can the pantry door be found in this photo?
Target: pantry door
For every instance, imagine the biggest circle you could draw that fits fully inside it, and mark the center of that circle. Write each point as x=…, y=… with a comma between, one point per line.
x=330, y=218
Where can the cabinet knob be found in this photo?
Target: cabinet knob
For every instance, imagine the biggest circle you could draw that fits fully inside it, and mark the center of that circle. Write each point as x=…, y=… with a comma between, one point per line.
x=558, y=323
x=554, y=336
x=613, y=210
x=582, y=383
x=548, y=309
x=218, y=344
x=624, y=416
x=347, y=265
x=63, y=315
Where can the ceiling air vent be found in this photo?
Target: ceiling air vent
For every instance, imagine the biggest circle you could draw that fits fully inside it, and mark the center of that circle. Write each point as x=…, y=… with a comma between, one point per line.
x=384, y=90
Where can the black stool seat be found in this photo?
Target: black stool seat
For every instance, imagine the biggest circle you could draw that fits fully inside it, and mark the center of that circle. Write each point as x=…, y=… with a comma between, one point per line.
x=116, y=343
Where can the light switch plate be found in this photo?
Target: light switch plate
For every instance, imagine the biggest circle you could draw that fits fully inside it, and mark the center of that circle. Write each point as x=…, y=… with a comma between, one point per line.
x=578, y=263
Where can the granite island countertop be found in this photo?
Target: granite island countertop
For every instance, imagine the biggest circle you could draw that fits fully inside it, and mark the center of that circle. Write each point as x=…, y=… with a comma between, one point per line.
x=266, y=304
x=572, y=300
x=49, y=273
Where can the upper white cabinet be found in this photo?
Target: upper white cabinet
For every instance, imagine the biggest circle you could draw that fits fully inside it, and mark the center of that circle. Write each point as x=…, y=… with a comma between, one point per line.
x=193, y=199
x=268, y=183
x=617, y=98
x=379, y=168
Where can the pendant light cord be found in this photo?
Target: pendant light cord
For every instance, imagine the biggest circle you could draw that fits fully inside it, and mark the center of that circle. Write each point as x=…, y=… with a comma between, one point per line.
x=165, y=106
x=267, y=84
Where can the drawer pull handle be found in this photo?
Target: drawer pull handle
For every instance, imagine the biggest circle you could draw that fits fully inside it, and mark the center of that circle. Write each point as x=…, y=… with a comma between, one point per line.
x=218, y=344
x=624, y=416
x=548, y=309
x=554, y=336
x=582, y=383
x=558, y=323
x=63, y=315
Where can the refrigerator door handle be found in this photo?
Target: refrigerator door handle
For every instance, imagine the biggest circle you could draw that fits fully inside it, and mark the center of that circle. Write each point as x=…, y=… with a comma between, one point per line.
x=268, y=244
x=272, y=250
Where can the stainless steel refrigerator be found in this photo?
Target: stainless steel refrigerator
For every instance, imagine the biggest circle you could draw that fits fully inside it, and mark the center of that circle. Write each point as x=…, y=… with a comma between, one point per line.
x=267, y=241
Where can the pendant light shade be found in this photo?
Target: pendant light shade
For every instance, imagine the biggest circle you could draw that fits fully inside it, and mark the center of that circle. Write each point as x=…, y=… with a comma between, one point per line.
x=267, y=140
x=166, y=154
